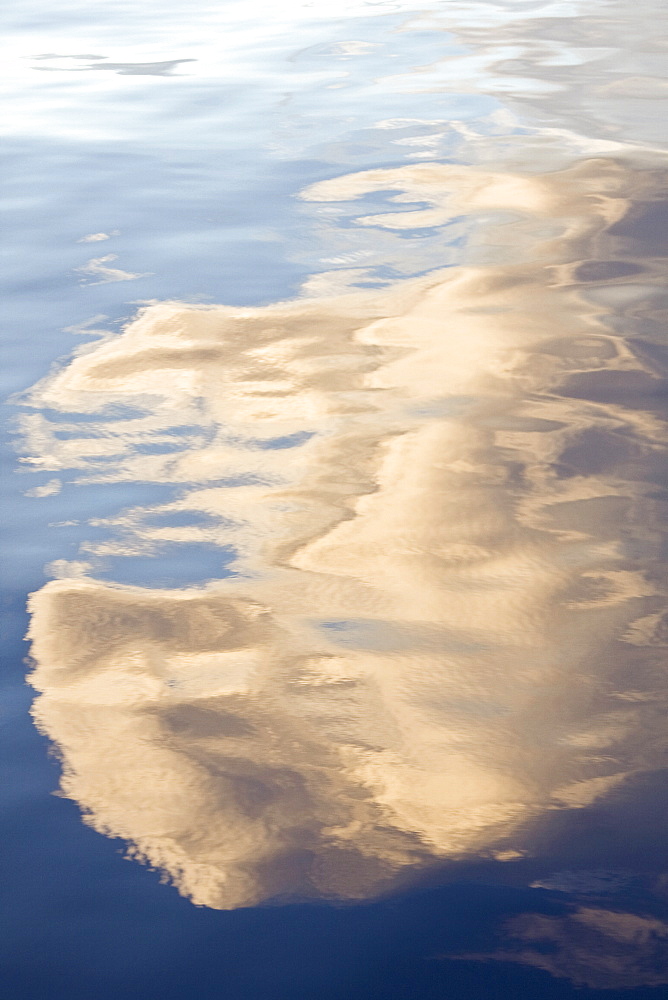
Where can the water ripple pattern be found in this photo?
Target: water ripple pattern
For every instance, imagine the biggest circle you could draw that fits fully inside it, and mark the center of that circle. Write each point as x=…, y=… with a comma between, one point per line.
x=379, y=585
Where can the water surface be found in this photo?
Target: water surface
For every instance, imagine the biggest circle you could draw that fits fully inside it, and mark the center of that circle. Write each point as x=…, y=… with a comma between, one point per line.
x=355, y=633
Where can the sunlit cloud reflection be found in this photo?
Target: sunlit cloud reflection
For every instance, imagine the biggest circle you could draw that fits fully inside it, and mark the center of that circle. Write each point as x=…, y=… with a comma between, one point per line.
x=437, y=585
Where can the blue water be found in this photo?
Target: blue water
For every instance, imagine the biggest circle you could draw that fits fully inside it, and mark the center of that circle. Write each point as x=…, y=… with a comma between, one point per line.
x=410, y=814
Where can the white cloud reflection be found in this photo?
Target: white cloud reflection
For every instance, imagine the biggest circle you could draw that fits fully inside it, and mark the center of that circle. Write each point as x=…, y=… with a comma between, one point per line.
x=98, y=267
x=422, y=647
x=97, y=237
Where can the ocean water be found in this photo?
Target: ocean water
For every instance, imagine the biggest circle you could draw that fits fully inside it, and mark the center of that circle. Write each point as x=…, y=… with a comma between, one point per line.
x=335, y=501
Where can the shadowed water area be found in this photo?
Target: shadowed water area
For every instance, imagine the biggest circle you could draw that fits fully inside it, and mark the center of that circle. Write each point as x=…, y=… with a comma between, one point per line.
x=345, y=526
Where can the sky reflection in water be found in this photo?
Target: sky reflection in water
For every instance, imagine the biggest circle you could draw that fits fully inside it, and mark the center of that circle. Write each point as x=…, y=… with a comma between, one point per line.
x=426, y=493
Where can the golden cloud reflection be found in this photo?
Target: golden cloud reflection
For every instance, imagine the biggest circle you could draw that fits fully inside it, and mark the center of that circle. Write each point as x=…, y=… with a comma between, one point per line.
x=437, y=626
x=591, y=946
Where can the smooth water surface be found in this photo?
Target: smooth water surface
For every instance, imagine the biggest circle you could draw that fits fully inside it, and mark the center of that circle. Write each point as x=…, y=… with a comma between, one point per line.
x=336, y=391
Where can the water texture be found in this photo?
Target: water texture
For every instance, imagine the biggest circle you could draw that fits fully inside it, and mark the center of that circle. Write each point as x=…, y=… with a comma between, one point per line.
x=357, y=484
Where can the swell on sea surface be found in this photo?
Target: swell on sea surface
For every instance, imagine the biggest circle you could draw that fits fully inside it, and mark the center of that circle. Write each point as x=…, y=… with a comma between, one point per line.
x=441, y=503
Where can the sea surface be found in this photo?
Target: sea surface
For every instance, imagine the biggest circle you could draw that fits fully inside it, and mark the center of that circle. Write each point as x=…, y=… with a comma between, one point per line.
x=335, y=500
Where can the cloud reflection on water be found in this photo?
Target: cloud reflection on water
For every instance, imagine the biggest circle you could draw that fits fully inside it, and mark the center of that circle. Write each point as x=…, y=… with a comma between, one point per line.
x=165, y=67
x=445, y=601
x=98, y=267
x=591, y=946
